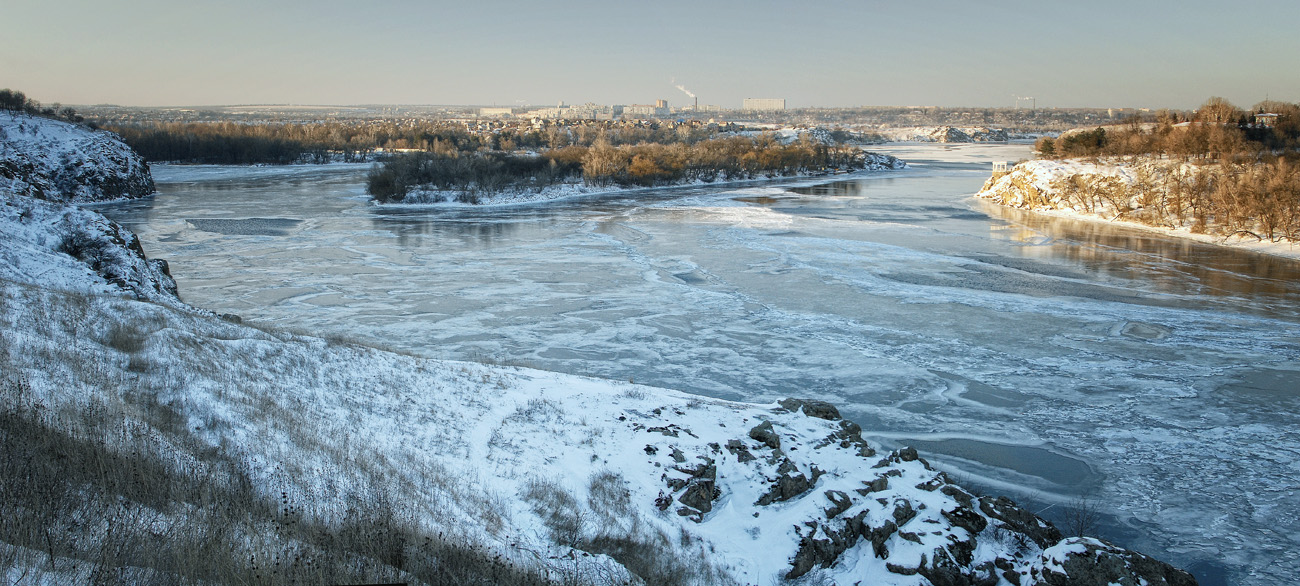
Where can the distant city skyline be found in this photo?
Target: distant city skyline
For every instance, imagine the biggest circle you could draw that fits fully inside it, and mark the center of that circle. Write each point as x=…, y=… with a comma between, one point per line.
x=826, y=53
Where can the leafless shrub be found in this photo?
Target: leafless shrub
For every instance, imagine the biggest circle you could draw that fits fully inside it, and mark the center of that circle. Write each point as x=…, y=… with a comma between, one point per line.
x=125, y=339
x=1081, y=516
x=608, y=495
x=558, y=509
x=636, y=393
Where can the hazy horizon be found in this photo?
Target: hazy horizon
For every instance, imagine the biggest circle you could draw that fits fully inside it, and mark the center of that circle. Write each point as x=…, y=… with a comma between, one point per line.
x=820, y=54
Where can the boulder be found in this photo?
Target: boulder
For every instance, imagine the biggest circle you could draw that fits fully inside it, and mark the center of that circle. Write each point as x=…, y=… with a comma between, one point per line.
x=785, y=488
x=764, y=433
x=812, y=408
x=840, y=502
x=1083, y=561
x=1018, y=520
x=738, y=449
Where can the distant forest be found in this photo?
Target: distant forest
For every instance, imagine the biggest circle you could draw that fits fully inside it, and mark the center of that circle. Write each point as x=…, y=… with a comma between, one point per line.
x=471, y=174
x=235, y=143
x=1218, y=129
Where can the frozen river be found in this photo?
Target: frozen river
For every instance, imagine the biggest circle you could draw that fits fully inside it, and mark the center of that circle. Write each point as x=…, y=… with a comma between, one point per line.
x=1056, y=361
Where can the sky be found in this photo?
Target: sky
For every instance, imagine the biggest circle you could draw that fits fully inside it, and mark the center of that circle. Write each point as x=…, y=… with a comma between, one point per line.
x=814, y=53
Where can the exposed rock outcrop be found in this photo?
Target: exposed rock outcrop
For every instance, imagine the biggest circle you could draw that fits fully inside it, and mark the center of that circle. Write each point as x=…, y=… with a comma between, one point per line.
x=1083, y=561
x=83, y=242
x=894, y=513
x=950, y=134
x=58, y=161
x=47, y=164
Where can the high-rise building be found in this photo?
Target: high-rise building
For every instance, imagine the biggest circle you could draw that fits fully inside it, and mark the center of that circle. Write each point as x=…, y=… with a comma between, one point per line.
x=764, y=104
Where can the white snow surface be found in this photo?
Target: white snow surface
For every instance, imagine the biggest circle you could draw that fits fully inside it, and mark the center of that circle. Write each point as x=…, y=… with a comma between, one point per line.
x=1032, y=180
x=60, y=161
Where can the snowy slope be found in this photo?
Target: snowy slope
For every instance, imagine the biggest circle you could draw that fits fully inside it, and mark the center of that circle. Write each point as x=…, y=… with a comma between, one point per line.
x=70, y=249
x=58, y=161
x=539, y=467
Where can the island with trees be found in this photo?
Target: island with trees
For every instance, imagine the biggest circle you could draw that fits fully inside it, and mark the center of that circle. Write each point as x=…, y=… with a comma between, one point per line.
x=450, y=174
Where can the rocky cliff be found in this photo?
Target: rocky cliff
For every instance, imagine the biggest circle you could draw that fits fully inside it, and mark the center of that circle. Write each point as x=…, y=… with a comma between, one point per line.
x=58, y=161
x=1103, y=190
x=64, y=247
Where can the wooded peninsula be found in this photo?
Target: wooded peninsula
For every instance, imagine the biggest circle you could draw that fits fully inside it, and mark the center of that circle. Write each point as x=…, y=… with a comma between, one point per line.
x=1221, y=170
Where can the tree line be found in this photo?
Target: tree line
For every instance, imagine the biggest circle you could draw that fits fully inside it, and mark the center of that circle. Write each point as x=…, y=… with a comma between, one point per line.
x=16, y=101
x=1217, y=129
x=236, y=143
x=472, y=174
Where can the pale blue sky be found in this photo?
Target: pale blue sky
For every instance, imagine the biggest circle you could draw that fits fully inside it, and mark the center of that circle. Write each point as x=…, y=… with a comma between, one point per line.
x=814, y=53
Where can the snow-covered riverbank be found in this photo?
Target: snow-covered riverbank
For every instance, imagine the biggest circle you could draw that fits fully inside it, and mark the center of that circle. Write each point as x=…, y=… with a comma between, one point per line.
x=521, y=460
x=1048, y=186
x=569, y=477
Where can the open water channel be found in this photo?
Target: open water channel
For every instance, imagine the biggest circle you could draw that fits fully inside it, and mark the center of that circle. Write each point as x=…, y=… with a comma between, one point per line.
x=1061, y=362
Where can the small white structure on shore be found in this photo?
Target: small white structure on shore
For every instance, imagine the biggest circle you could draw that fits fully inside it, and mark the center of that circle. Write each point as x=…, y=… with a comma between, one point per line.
x=999, y=166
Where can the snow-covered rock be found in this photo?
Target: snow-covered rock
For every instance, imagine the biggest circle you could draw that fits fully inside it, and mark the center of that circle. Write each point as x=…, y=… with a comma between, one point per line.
x=1048, y=184
x=948, y=134
x=1083, y=561
x=71, y=249
x=58, y=161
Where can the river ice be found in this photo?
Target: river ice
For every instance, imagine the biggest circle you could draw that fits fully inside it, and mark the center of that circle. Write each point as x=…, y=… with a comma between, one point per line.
x=1058, y=361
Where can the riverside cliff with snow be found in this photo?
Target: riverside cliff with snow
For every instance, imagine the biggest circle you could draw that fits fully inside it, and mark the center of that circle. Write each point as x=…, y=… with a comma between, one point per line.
x=59, y=161
x=1175, y=197
x=150, y=441
x=948, y=134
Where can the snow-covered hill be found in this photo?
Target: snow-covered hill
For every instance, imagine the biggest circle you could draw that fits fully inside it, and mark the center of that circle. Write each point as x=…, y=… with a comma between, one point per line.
x=71, y=249
x=947, y=134
x=59, y=161
x=420, y=464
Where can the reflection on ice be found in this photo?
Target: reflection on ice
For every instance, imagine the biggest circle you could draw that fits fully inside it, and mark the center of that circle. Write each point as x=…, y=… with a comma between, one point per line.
x=1164, y=262
x=1043, y=357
